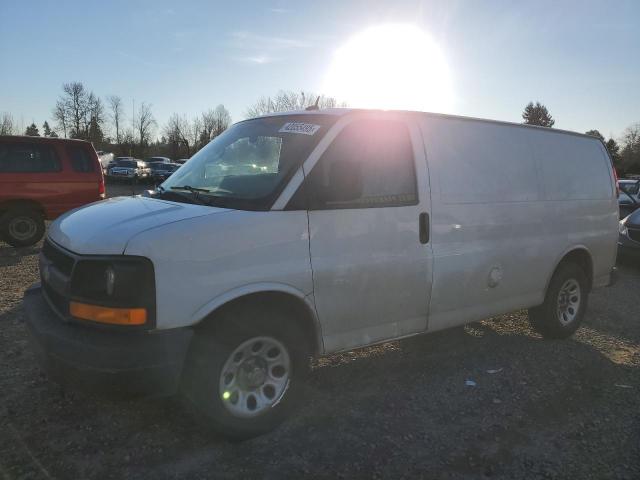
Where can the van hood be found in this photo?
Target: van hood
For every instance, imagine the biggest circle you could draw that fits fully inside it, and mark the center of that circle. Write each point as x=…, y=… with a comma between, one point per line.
x=104, y=228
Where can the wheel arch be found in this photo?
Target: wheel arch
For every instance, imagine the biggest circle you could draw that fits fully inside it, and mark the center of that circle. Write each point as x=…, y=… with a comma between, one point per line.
x=279, y=296
x=8, y=205
x=578, y=254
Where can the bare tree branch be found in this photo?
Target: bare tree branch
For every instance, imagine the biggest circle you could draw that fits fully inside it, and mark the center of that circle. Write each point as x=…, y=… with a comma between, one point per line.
x=289, y=100
x=117, y=114
x=7, y=125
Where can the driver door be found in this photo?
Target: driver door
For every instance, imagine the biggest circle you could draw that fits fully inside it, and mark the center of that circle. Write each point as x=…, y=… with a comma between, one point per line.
x=368, y=207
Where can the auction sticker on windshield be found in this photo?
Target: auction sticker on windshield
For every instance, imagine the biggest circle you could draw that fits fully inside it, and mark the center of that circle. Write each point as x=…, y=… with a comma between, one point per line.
x=299, y=127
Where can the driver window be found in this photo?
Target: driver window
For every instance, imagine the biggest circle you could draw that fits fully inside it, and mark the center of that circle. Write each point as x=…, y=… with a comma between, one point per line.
x=370, y=164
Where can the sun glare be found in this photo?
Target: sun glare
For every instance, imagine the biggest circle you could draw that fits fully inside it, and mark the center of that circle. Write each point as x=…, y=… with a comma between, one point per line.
x=391, y=67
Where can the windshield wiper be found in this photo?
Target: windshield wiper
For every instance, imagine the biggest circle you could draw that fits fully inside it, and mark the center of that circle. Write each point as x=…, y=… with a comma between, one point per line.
x=191, y=189
x=195, y=191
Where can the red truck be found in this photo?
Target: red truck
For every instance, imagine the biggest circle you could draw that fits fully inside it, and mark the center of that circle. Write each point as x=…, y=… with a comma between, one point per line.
x=41, y=178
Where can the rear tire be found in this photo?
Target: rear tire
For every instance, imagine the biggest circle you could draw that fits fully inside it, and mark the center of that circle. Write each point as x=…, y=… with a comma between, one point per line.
x=22, y=227
x=245, y=372
x=564, y=305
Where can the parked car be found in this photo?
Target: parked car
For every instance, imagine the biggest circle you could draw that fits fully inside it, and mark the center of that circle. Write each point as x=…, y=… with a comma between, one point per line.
x=158, y=159
x=355, y=227
x=161, y=171
x=105, y=159
x=182, y=161
x=629, y=236
x=631, y=186
x=627, y=204
x=129, y=168
x=41, y=178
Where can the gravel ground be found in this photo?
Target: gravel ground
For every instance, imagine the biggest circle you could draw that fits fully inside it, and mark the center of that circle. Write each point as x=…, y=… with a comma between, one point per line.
x=539, y=409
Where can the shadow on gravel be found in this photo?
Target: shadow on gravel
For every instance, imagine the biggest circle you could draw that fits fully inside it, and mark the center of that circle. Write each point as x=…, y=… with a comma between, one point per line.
x=12, y=256
x=538, y=408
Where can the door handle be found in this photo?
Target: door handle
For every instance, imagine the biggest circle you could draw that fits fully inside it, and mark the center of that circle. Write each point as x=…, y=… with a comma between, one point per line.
x=423, y=223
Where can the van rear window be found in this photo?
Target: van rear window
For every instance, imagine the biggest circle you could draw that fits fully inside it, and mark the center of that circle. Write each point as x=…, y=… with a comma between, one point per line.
x=81, y=160
x=28, y=158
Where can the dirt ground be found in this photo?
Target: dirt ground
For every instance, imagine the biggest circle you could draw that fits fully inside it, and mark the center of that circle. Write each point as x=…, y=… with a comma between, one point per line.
x=538, y=409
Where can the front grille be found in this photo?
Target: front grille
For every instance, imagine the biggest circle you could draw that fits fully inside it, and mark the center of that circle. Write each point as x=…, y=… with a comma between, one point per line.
x=59, y=259
x=634, y=234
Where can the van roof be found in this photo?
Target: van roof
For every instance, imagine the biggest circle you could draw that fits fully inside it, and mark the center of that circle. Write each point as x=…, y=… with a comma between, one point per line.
x=41, y=139
x=347, y=111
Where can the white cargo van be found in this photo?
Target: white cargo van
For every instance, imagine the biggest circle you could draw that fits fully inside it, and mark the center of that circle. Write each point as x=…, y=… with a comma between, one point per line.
x=301, y=234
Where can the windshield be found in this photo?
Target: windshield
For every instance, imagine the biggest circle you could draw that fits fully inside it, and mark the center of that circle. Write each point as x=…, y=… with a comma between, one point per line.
x=630, y=187
x=126, y=163
x=160, y=166
x=248, y=165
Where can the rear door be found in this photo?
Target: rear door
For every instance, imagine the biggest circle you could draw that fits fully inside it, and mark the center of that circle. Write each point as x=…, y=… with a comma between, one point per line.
x=371, y=262
x=82, y=176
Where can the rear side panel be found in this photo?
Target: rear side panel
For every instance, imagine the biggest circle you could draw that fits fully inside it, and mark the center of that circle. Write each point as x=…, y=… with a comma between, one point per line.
x=579, y=193
x=506, y=209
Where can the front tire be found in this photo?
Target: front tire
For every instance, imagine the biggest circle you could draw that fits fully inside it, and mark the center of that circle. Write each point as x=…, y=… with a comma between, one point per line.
x=22, y=227
x=564, y=305
x=245, y=372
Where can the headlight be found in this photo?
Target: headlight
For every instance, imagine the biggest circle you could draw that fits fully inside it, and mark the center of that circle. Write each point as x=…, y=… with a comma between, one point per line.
x=121, y=285
x=109, y=280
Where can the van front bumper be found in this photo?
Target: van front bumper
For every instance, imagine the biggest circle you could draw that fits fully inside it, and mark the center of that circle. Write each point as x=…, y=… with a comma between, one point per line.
x=114, y=363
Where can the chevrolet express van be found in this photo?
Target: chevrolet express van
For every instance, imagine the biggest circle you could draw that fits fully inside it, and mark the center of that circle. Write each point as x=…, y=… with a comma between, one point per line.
x=301, y=234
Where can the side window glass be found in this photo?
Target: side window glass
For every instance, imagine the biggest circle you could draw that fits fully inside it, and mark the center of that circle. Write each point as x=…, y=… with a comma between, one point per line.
x=369, y=164
x=81, y=160
x=28, y=158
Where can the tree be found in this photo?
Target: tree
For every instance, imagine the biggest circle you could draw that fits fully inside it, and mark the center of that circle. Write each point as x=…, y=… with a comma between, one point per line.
x=60, y=116
x=75, y=101
x=289, y=100
x=537, y=115
x=117, y=114
x=214, y=122
x=176, y=133
x=194, y=134
x=7, y=124
x=94, y=119
x=46, y=130
x=79, y=113
x=144, y=123
x=595, y=133
x=32, y=131
x=630, y=153
x=614, y=151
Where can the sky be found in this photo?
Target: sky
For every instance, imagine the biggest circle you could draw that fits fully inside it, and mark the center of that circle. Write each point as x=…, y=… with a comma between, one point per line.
x=579, y=58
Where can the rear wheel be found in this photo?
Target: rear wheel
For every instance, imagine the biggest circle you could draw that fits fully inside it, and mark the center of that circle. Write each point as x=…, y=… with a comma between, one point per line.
x=22, y=227
x=565, y=303
x=245, y=374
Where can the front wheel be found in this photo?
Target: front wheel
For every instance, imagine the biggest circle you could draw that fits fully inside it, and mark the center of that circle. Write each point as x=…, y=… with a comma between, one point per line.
x=565, y=303
x=245, y=374
x=22, y=227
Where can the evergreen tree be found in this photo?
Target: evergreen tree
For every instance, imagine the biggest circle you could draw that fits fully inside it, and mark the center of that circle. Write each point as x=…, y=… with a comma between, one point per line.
x=614, y=151
x=46, y=130
x=32, y=131
x=595, y=133
x=537, y=115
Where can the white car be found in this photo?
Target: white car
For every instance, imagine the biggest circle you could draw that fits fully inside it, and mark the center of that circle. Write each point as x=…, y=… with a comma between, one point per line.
x=105, y=159
x=325, y=231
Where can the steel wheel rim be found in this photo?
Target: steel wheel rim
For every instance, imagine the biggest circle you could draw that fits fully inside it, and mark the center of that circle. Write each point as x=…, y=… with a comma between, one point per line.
x=22, y=228
x=255, y=377
x=569, y=301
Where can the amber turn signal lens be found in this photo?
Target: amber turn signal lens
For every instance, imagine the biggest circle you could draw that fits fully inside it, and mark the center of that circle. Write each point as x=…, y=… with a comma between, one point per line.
x=114, y=316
